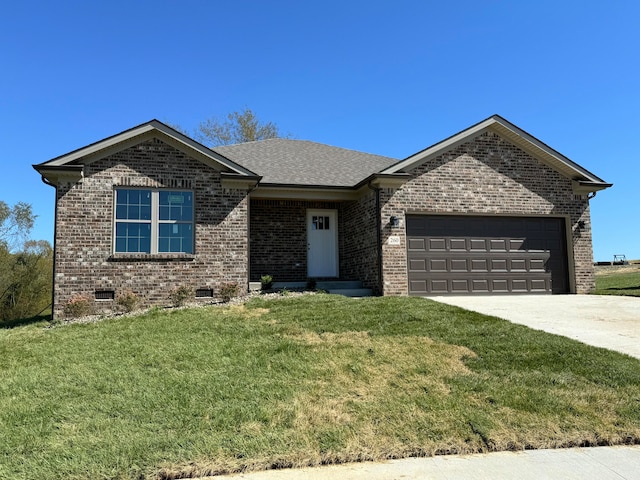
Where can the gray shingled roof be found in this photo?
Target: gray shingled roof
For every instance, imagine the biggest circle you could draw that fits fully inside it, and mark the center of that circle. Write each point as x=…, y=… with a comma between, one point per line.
x=301, y=162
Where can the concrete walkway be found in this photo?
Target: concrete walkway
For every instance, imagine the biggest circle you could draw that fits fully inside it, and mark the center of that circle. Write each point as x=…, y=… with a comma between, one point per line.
x=607, y=321
x=602, y=463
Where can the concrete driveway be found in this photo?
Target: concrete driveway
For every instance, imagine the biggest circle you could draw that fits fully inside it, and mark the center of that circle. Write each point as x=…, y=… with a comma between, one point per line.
x=607, y=321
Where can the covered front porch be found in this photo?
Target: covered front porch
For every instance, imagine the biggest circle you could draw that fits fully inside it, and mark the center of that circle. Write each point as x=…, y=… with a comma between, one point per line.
x=297, y=241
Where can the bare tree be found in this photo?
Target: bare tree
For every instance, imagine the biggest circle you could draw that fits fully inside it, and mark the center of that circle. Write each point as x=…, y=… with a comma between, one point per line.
x=15, y=223
x=239, y=127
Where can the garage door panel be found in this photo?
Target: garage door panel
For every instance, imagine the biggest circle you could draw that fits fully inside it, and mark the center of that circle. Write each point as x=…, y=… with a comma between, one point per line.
x=486, y=254
x=498, y=245
x=537, y=265
x=539, y=285
x=516, y=244
x=498, y=264
x=478, y=245
x=518, y=265
x=459, y=285
x=480, y=286
x=418, y=265
x=458, y=244
x=417, y=244
x=499, y=286
x=519, y=285
x=479, y=265
x=437, y=244
x=439, y=286
x=438, y=265
x=418, y=286
x=459, y=265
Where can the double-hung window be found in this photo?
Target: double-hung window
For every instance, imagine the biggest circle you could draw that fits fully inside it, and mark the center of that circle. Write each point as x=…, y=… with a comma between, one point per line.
x=153, y=221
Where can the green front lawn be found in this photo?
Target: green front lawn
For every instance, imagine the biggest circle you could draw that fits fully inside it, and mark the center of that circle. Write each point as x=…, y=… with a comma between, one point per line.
x=297, y=381
x=618, y=283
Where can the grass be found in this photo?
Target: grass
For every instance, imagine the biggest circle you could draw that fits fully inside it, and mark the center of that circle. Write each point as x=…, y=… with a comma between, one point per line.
x=618, y=282
x=298, y=381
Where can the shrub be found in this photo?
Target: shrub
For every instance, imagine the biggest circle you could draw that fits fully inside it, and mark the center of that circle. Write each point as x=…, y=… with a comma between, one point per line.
x=229, y=291
x=180, y=295
x=78, y=306
x=266, y=281
x=128, y=301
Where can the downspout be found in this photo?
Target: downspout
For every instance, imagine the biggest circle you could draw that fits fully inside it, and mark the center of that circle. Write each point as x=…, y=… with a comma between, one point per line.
x=378, y=236
x=55, y=236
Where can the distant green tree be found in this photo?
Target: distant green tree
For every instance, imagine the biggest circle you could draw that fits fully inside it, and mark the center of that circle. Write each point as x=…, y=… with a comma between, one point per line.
x=25, y=280
x=26, y=266
x=239, y=127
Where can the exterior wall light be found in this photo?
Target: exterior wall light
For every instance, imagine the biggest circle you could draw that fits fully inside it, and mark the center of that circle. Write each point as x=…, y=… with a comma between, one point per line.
x=394, y=222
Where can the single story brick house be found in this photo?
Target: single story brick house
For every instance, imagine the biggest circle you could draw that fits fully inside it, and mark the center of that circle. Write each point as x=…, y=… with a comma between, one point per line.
x=489, y=210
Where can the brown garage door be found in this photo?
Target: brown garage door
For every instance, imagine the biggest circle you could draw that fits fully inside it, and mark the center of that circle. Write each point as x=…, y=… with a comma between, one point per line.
x=455, y=254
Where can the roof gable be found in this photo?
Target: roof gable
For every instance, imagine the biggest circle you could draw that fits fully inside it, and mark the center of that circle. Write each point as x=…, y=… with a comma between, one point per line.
x=585, y=180
x=72, y=161
x=300, y=162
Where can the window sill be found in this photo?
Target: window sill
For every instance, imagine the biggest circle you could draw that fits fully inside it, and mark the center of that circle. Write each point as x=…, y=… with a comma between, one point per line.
x=151, y=257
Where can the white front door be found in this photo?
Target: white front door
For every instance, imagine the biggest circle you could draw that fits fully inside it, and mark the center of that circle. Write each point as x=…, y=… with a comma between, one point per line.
x=322, y=243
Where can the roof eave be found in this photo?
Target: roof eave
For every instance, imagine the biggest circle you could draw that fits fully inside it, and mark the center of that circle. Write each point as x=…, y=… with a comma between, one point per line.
x=582, y=187
x=239, y=182
x=385, y=180
x=55, y=174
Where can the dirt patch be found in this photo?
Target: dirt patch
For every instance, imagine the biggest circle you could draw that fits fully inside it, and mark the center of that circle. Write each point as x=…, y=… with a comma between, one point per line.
x=243, y=311
x=360, y=370
x=617, y=269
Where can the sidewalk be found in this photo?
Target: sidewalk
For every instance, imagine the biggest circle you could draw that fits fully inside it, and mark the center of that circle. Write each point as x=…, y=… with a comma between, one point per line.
x=602, y=463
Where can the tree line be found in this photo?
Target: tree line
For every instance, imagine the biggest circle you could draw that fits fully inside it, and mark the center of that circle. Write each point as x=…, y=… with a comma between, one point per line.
x=26, y=266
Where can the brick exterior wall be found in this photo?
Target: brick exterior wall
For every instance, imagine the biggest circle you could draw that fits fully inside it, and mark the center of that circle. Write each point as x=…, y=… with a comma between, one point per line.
x=359, y=252
x=278, y=238
x=85, y=262
x=487, y=175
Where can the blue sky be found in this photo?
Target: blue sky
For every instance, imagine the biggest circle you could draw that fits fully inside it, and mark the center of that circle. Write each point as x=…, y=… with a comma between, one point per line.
x=385, y=77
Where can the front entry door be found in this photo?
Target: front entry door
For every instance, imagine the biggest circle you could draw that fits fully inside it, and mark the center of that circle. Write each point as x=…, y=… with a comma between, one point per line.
x=322, y=243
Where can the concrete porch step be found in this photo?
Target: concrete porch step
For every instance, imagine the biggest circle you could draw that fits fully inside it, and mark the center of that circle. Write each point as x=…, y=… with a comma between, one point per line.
x=352, y=292
x=348, y=288
x=338, y=284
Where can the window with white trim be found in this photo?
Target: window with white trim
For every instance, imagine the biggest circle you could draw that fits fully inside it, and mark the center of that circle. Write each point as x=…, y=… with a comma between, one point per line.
x=153, y=221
